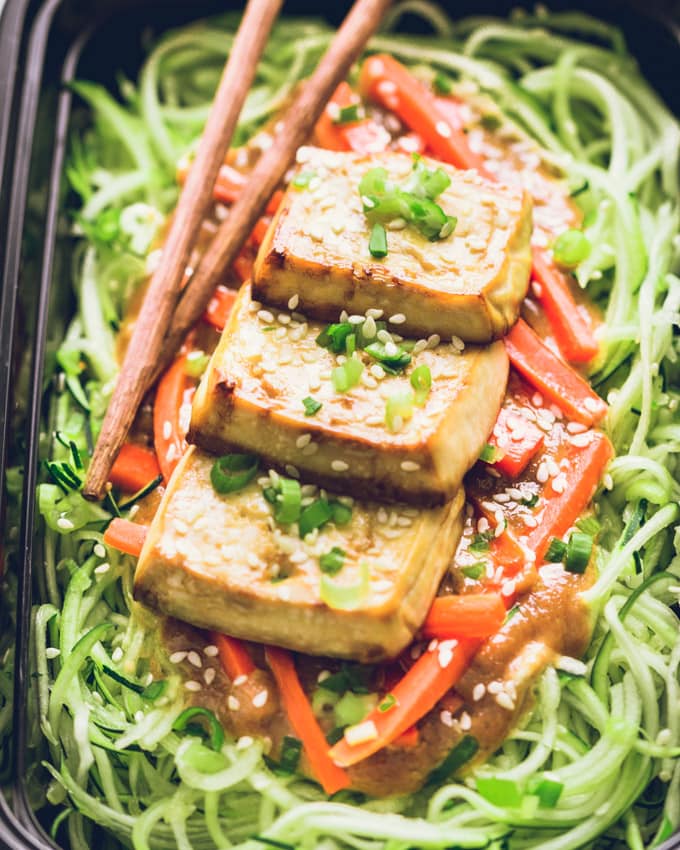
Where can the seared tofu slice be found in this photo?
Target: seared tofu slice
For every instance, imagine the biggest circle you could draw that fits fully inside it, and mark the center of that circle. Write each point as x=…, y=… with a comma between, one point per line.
x=268, y=362
x=222, y=562
x=470, y=283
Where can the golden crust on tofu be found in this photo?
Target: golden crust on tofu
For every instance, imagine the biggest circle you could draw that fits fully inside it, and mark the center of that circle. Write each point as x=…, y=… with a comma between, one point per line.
x=266, y=364
x=470, y=283
x=220, y=562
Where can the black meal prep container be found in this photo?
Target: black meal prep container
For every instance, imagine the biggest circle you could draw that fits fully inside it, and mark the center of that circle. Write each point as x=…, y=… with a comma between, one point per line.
x=44, y=44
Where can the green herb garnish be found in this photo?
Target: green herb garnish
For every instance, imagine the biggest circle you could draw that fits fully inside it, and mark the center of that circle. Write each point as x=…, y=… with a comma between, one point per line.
x=311, y=405
x=332, y=562
x=233, y=472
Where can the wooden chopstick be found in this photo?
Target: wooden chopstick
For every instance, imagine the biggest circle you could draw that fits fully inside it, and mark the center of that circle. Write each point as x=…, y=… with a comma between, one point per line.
x=154, y=352
x=161, y=297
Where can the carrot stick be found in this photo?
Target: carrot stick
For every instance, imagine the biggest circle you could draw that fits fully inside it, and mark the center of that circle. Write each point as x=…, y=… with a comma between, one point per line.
x=219, y=308
x=168, y=436
x=260, y=230
x=388, y=82
x=518, y=439
x=134, y=468
x=471, y=615
x=243, y=266
x=126, y=536
x=583, y=474
x=572, y=331
x=433, y=675
x=234, y=656
x=229, y=185
x=552, y=376
x=362, y=136
x=303, y=721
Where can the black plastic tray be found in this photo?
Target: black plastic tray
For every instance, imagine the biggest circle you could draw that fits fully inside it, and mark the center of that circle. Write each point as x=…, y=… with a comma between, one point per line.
x=44, y=45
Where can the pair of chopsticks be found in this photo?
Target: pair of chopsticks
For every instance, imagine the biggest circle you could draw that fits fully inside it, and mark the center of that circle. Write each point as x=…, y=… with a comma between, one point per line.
x=168, y=312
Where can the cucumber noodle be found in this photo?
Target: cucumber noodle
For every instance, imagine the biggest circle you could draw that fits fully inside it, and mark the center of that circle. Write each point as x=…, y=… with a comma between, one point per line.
x=609, y=734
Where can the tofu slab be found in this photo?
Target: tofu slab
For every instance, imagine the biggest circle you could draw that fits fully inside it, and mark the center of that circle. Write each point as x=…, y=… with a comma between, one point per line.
x=220, y=562
x=267, y=362
x=470, y=284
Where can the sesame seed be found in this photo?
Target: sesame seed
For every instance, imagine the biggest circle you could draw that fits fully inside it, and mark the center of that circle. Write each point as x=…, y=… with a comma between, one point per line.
x=260, y=698
x=293, y=301
x=52, y=652
x=310, y=449
x=265, y=316
x=369, y=329
x=356, y=320
x=494, y=687
x=446, y=718
x=457, y=343
x=102, y=568
x=664, y=737
x=232, y=703
x=465, y=721
x=167, y=429
x=559, y=484
x=209, y=675
x=433, y=340
x=479, y=691
x=339, y=466
x=292, y=470
x=410, y=466
x=391, y=349
x=591, y=405
x=99, y=550
x=194, y=659
x=397, y=319
x=240, y=680
x=191, y=685
x=303, y=440
x=344, y=316
x=244, y=742
x=64, y=524
x=571, y=665
x=374, y=313
x=443, y=129
x=608, y=482
x=482, y=525
x=445, y=652
x=576, y=428
x=384, y=336
x=211, y=650
x=178, y=657
x=582, y=440
x=117, y=654
x=542, y=473
x=505, y=701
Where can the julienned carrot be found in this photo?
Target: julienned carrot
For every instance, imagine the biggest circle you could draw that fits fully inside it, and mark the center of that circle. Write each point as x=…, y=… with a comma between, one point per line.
x=243, y=266
x=260, y=230
x=303, y=721
x=234, y=656
x=583, y=473
x=552, y=376
x=219, y=308
x=388, y=82
x=229, y=185
x=134, y=468
x=168, y=435
x=361, y=136
x=468, y=615
x=433, y=675
x=573, y=332
x=126, y=536
x=518, y=439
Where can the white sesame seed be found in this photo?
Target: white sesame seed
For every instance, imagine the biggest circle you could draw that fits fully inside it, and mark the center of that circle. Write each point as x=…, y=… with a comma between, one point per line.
x=559, y=484
x=465, y=721
x=339, y=466
x=64, y=524
x=443, y=129
x=391, y=349
x=178, y=657
x=374, y=313
x=591, y=405
x=52, y=652
x=99, y=550
x=209, y=675
x=384, y=336
x=292, y=470
x=433, y=340
x=410, y=466
x=356, y=319
x=576, y=428
x=244, y=742
x=377, y=371
x=482, y=525
x=303, y=440
x=571, y=665
x=479, y=691
x=505, y=701
x=102, y=568
x=167, y=429
x=446, y=718
x=260, y=698
x=542, y=473
x=310, y=449
x=397, y=319
x=191, y=685
x=369, y=329
x=445, y=652
x=117, y=655
x=457, y=343
x=211, y=651
x=265, y=316
x=293, y=301
x=232, y=703
x=344, y=316
x=608, y=481
x=241, y=680
x=194, y=658
x=582, y=440
x=494, y=687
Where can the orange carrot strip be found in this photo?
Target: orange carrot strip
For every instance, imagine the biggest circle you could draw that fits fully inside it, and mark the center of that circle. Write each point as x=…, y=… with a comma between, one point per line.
x=552, y=376
x=433, y=675
x=362, y=136
x=219, y=308
x=585, y=470
x=243, y=266
x=408, y=739
x=303, y=721
x=260, y=230
x=518, y=444
x=234, y=656
x=134, y=468
x=387, y=81
x=468, y=615
x=168, y=436
x=229, y=185
x=572, y=330
x=126, y=536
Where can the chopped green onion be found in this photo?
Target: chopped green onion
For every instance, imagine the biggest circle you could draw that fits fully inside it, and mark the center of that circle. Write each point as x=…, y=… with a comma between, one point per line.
x=511, y=613
x=233, y=472
x=398, y=409
x=350, y=114
x=352, y=677
x=500, y=792
x=345, y=597
x=155, y=690
x=352, y=708
x=215, y=731
x=377, y=244
x=556, y=551
x=291, y=750
x=442, y=84
x=314, y=516
x=531, y=501
x=490, y=121
x=288, y=500
x=392, y=363
x=333, y=336
x=589, y=525
x=347, y=375
x=421, y=381
x=474, y=571
x=548, y=791
x=302, y=180
x=350, y=344
x=461, y=753
x=195, y=363
x=270, y=494
x=311, y=405
x=571, y=248
x=333, y=737
x=491, y=454
x=578, y=552
x=480, y=542
x=342, y=514
x=387, y=702
x=375, y=182
x=332, y=562
x=426, y=182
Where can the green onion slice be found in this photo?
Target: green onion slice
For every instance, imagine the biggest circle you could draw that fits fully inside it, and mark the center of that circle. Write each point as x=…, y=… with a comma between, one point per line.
x=474, y=571
x=288, y=501
x=556, y=551
x=333, y=336
x=398, y=409
x=442, y=84
x=291, y=750
x=345, y=597
x=347, y=375
x=500, y=792
x=390, y=362
x=332, y=562
x=578, y=552
x=196, y=363
x=302, y=180
x=342, y=514
x=350, y=114
x=233, y=472
x=314, y=516
x=421, y=381
x=571, y=248
x=387, y=702
x=311, y=405
x=377, y=244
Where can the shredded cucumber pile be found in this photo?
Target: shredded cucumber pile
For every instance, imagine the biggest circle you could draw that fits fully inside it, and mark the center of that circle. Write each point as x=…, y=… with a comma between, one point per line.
x=604, y=738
